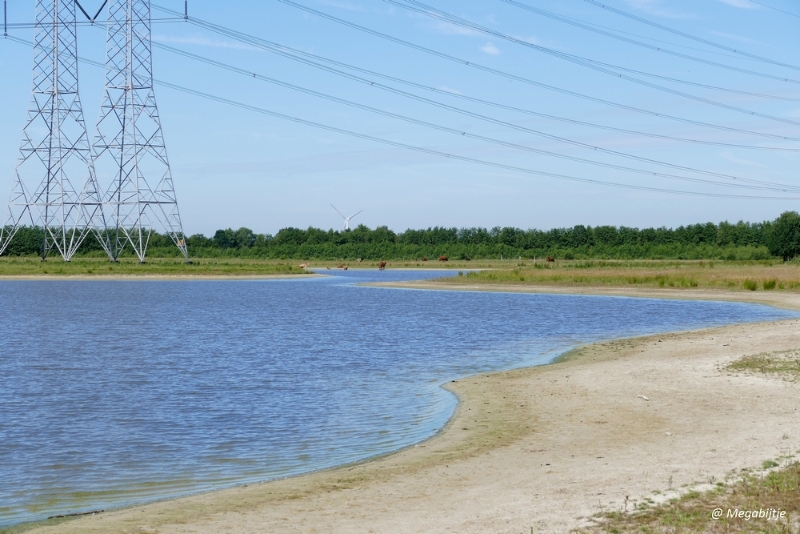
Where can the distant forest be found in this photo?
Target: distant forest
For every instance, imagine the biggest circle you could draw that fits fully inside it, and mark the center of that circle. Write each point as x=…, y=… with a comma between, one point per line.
x=740, y=241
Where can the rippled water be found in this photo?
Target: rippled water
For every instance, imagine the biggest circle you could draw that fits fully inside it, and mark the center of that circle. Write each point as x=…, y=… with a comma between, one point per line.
x=116, y=392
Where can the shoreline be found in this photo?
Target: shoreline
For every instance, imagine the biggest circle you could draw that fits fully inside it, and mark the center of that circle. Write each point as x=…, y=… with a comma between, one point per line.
x=788, y=300
x=476, y=453
x=153, y=277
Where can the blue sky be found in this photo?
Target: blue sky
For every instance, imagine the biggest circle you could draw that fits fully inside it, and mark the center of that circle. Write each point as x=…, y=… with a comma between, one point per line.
x=235, y=168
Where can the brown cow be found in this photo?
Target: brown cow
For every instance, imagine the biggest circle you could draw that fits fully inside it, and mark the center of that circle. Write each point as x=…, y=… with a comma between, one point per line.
x=550, y=259
x=382, y=265
x=442, y=258
x=424, y=259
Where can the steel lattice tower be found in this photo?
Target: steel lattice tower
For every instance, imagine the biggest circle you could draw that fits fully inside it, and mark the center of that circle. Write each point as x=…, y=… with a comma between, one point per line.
x=129, y=153
x=54, y=153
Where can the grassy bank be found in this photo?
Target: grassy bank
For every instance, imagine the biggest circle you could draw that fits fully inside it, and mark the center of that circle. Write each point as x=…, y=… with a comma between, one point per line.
x=26, y=267
x=776, y=487
x=768, y=275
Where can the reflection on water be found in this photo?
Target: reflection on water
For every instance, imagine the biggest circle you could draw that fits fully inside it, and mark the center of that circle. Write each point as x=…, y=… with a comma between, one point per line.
x=126, y=391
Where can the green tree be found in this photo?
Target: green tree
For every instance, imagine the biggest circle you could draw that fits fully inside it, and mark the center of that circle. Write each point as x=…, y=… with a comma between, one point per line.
x=784, y=236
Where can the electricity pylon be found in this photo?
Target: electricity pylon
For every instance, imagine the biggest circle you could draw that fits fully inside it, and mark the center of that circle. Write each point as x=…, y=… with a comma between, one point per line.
x=54, y=153
x=129, y=153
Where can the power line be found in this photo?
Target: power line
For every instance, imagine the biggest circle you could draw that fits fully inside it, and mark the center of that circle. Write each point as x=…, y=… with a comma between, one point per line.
x=424, y=150
x=251, y=74
x=775, y=8
x=454, y=156
x=690, y=36
x=588, y=27
x=588, y=63
x=292, y=53
x=28, y=25
x=238, y=35
x=653, y=39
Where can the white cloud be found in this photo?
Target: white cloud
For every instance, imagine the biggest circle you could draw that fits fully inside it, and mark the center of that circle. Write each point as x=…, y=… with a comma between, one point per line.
x=342, y=5
x=744, y=4
x=490, y=49
x=653, y=7
x=739, y=161
x=737, y=38
x=453, y=29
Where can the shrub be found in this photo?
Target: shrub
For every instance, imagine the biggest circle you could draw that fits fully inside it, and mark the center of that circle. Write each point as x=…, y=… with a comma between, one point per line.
x=750, y=285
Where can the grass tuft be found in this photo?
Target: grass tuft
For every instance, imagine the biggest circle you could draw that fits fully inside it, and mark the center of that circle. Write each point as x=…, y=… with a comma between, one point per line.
x=692, y=513
x=786, y=364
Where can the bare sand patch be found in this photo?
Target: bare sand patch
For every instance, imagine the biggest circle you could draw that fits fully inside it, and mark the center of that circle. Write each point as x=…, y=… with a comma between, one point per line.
x=542, y=447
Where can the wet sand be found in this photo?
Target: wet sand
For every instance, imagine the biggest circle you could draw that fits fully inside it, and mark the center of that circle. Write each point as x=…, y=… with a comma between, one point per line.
x=541, y=447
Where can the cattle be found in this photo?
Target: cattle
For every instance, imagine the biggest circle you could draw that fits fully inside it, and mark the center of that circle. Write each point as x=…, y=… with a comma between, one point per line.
x=467, y=258
x=550, y=259
x=304, y=266
x=345, y=267
x=382, y=265
x=424, y=259
x=360, y=260
x=443, y=258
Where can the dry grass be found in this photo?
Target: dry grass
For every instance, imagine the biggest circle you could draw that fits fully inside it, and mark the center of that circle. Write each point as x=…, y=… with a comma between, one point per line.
x=22, y=267
x=776, y=487
x=729, y=275
x=785, y=364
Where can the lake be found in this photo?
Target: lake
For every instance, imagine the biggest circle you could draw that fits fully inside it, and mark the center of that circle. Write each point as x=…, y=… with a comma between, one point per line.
x=127, y=391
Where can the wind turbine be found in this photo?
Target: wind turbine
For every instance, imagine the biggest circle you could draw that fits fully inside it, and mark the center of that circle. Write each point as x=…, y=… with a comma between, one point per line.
x=346, y=219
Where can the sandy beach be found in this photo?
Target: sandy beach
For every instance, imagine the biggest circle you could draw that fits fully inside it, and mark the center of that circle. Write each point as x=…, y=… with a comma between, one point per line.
x=542, y=448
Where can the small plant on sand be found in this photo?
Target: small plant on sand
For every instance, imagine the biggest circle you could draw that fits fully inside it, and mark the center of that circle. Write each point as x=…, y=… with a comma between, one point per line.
x=785, y=364
x=750, y=285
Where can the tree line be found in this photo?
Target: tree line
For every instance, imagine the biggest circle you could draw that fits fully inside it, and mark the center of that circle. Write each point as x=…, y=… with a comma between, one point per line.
x=732, y=241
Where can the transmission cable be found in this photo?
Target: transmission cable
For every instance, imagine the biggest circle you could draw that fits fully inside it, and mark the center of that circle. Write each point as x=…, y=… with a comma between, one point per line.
x=456, y=157
x=463, y=133
x=497, y=104
x=588, y=27
x=240, y=36
x=292, y=53
x=432, y=12
x=690, y=36
x=653, y=39
x=424, y=150
x=80, y=23
x=775, y=8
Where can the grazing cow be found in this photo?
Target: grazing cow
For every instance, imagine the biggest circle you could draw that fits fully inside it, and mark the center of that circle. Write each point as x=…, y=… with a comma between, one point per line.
x=340, y=266
x=360, y=260
x=424, y=259
x=550, y=259
x=345, y=267
x=442, y=258
x=467, y=258
x=304, y=266
x=328, y=268
x=382, y=265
